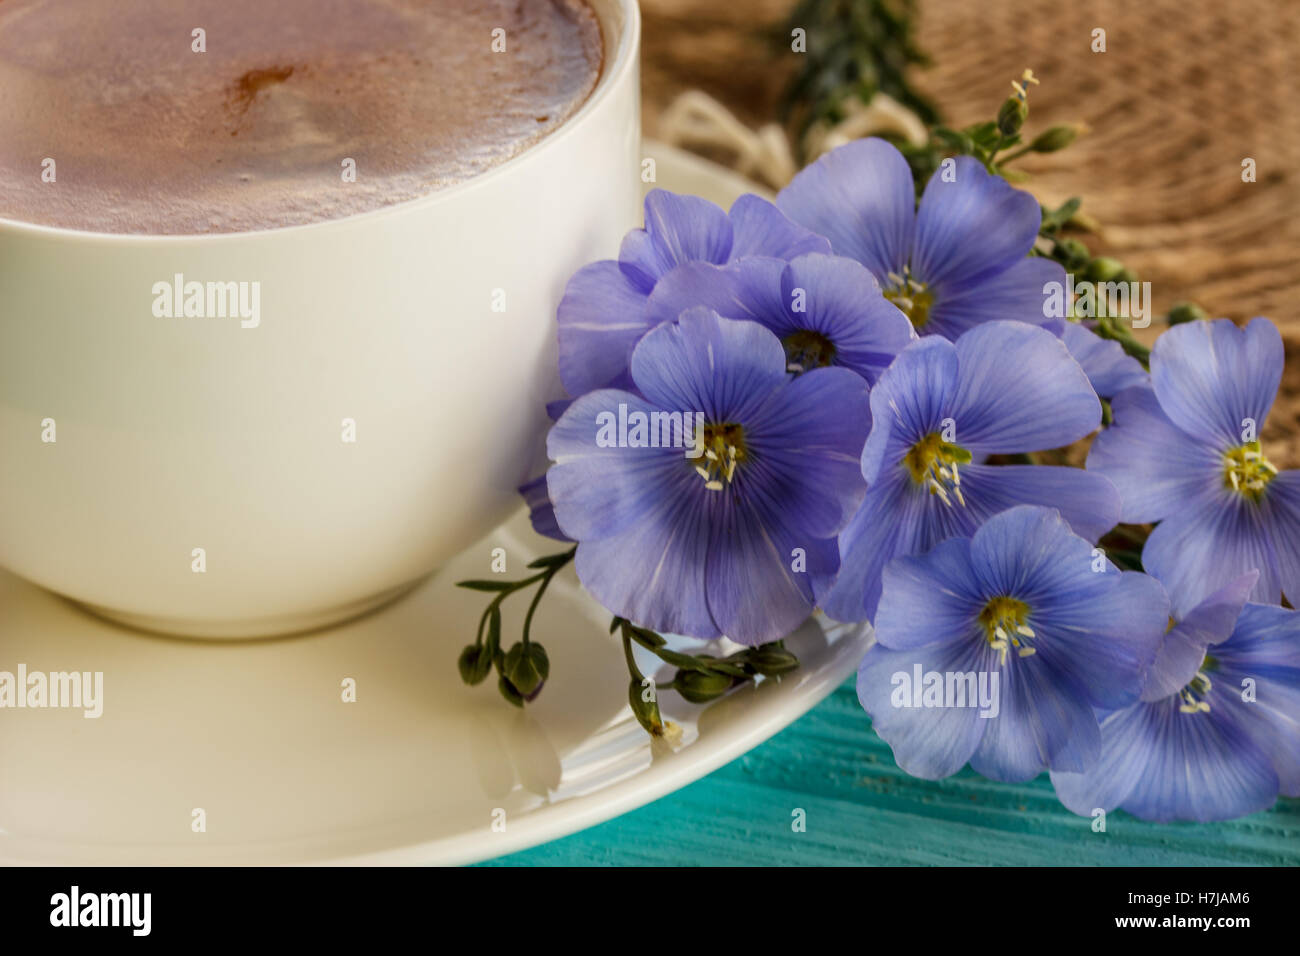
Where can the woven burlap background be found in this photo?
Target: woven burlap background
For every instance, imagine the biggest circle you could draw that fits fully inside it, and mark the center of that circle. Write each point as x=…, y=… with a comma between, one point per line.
x=1185, y=91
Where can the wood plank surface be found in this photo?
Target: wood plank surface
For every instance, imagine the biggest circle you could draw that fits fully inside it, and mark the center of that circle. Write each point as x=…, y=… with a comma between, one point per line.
x=862, y=810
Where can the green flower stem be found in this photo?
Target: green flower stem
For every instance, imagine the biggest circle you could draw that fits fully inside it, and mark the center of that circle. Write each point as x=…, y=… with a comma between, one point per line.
x=552, y=566
x=1108, y=328
x=632, y=669
x=537, y=598
x=522, y=670
x=701, y=678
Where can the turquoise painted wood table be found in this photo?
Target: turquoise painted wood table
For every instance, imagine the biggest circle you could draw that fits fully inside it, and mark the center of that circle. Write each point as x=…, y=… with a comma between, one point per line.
x=859, y=808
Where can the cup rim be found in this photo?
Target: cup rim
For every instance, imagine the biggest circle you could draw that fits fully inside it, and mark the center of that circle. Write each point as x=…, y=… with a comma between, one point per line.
x=621, y=64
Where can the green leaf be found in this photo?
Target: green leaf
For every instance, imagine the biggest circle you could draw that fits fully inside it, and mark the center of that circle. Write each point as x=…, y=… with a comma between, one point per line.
x=984, y=135
x=486, y=585
x=954, y=141
x=650, y=637
x=551, y=560
x=683, y=661
x=1054, y=219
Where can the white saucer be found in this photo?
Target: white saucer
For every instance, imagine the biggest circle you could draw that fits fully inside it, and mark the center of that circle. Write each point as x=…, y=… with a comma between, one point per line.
x=416, y=771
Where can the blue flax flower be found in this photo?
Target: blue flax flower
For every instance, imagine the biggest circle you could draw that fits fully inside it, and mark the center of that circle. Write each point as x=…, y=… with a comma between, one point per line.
x=1186, y=453
x=1216, y=734
x=1014, y=636
x=602, y=315
x=826, y=310
x=1003, y=388
x=731, y=540
x=959, y=260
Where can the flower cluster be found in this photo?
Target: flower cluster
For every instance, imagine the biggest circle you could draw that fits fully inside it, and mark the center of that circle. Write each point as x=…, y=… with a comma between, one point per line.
x=841, y=400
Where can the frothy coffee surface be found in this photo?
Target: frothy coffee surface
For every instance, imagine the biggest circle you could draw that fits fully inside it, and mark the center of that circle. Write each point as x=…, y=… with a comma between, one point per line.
x=149, y=136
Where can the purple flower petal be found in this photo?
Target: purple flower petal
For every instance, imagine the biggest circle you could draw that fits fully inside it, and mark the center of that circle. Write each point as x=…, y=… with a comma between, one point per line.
x=842, y=301
x=761, y=229
x=1265, y=647
x=890, y=522
x=1157, y=468
x=601, y=491
x=805, y=461
x=639, y=515
x=601, y=317
x=1020, y=390
x=931, y=598
x=1282, y=500
x=1055, y=565
x=541, y=513
x=1183, y=649
x=755, y=595
x=1109, y=368
x=677, y=229
x=1212, y=376
x=1202, y=546
x=860, y=197
x=1043, y=723
x=971, y=228
x=1126, y=748
x=1088, y=502
x=1017, y=294
x=1160, y=764
x=705, y=363
x=655, y=571
x=927, y=742
x=748, y=289
x=910, y=400
x=1106, y=641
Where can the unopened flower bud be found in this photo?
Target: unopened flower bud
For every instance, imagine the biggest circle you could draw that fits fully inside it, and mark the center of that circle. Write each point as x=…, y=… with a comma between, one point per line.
x=1103, y=269
x=1012, y=116
x=772, y=661
x=1054, y=138
x=700, y=687
x=1075, y=254
x=526, y=666
x=475, y=663
x=510, y=692
x=645, y=707
x=1186, y=312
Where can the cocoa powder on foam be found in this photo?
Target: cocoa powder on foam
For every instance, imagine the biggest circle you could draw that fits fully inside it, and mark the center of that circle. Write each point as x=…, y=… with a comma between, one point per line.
x=149, y=136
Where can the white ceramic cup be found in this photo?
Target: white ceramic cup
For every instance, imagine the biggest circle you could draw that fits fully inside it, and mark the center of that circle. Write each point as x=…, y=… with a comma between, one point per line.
x=187, y=443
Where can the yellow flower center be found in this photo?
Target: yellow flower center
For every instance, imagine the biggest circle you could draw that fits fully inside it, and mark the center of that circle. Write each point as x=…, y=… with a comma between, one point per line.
x=933, y=462
x=1193, y=696
x=724, y=449
x=1004, y=622
x=805, y=350
x=1246, y=470
x=911, y=297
